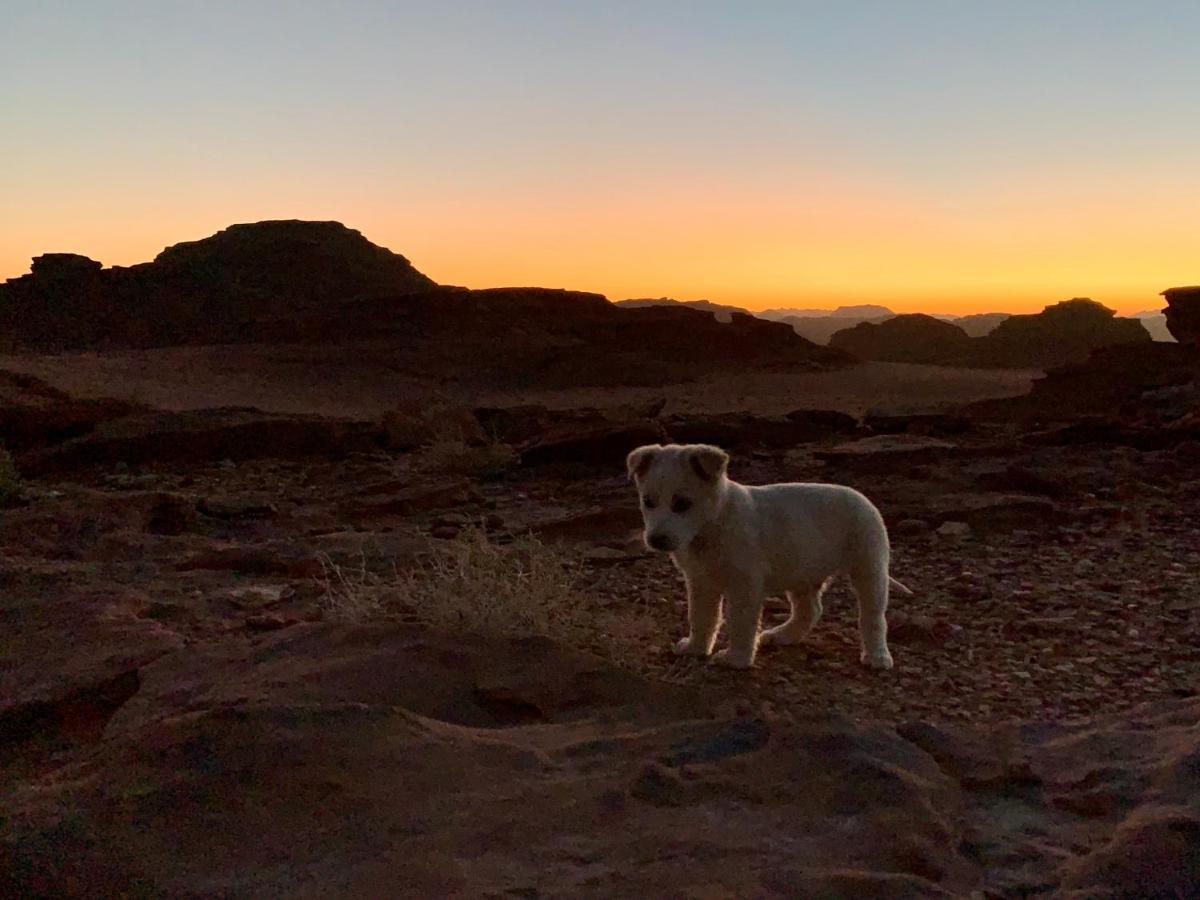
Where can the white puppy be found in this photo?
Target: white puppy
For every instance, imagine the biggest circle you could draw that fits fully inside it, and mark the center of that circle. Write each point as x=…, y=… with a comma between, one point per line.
x=745, y=543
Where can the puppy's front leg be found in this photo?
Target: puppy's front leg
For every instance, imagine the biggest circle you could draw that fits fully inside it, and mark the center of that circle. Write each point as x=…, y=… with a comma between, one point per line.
x=704, y=616
x=744, y=609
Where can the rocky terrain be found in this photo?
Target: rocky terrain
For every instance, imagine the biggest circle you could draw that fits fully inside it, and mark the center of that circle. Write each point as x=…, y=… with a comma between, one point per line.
x=1062, y=333
x=424, y=654
x=318, y=579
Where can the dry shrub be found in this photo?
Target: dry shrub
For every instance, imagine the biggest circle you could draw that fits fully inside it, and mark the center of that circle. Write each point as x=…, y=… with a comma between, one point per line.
x=525, y=587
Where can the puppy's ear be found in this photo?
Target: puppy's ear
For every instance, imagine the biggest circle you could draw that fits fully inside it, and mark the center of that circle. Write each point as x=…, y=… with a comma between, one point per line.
x=708, y=462
x=638, y=462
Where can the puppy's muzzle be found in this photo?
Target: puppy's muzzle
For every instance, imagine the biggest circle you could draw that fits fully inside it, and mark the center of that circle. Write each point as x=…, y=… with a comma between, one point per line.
x=661, y=542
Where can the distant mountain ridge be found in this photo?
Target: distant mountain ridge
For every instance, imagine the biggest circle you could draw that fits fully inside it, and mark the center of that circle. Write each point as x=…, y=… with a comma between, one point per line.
x=819, y=325
x=1060, y=333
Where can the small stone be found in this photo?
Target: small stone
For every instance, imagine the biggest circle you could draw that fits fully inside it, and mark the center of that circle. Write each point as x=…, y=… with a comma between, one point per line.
x=237, y=508
x=444, y=532
x=268, y=622
x=955, y=530
x=658, y=786
x=907, y=527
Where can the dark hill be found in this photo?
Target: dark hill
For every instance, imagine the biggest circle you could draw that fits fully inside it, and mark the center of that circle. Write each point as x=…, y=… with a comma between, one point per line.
x=911, y=338
x=204, y=291
x=302, y=264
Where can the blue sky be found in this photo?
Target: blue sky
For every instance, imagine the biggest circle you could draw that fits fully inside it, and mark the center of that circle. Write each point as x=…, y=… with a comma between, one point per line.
x=132, y=125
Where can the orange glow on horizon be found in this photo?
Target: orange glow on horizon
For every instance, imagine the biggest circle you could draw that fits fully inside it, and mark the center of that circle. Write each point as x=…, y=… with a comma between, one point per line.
x=817, y=242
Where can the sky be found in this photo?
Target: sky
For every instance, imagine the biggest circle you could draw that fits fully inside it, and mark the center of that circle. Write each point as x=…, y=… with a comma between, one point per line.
x=931, y=155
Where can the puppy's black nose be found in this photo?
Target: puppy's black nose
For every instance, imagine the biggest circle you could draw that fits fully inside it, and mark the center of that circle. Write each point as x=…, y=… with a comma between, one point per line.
x=661, y=542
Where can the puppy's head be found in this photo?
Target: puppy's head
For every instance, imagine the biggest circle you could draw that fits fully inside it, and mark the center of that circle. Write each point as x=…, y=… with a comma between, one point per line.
x=680, y=487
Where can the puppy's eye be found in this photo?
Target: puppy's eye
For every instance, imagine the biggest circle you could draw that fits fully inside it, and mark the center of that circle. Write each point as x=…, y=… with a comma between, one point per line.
x=681, y=505
x=648, y=502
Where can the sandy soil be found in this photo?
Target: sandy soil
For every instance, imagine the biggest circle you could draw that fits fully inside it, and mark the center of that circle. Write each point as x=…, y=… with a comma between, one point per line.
x=310, y=380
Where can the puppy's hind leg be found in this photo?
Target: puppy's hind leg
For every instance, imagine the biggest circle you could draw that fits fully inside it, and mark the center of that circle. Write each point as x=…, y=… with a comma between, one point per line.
x=870, y=582
x=806, y=612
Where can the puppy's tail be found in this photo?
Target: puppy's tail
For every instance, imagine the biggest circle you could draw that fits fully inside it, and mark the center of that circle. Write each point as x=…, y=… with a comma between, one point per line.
x=898, y=586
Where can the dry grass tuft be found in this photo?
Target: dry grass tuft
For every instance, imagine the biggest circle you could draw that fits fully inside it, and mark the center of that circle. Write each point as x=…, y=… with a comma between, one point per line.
x=523, y=588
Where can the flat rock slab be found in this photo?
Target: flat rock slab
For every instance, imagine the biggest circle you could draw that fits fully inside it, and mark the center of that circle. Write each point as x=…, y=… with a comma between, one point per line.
x=206, y=435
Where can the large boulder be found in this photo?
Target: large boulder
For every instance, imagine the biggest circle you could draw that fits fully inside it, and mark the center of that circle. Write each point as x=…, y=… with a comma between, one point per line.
x=1183, y=314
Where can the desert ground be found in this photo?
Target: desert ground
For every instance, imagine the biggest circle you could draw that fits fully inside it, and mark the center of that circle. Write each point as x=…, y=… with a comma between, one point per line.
x=305, y=379
x=265, y=653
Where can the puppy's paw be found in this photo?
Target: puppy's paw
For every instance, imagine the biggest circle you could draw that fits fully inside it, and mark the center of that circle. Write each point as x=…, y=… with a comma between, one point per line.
x=684, y=647
x=880, y=661
x=731, y=660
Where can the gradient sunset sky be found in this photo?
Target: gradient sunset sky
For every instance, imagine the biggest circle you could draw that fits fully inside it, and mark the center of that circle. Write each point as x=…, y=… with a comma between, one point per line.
x=953, y=156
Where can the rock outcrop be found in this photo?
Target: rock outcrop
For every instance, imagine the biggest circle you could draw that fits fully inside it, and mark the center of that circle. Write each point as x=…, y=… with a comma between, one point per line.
x=1061, y=333
x=1183, y=314
x=1149, y=381
x=913, y=338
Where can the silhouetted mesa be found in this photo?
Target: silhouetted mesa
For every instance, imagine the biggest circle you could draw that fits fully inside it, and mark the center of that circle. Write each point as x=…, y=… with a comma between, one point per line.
x=204, y=291
x=322, y=283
